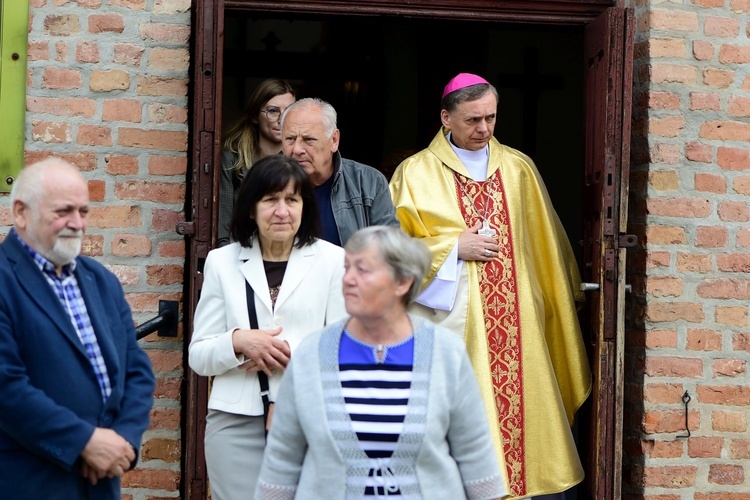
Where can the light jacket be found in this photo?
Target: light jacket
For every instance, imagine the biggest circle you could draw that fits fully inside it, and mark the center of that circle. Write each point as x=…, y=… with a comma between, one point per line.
x=312, y=448
x=309, y=298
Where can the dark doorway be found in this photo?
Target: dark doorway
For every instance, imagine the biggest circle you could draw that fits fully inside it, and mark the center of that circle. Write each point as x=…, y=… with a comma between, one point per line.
x=384, y=75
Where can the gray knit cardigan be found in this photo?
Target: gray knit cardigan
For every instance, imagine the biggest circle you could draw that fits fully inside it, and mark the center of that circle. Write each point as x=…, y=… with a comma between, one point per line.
x=312, y=448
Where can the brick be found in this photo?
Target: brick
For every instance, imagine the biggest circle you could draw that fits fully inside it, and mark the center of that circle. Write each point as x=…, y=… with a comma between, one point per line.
x=61, y=52
x=743, y=237
x=84, y=160
x=667, y=366
x=729, y=395
x=109, y=80
x=171, y=6
x=167, y=165
x=164, y=140
x=669, y=154
x=709, y=3
x=130, y=4
x=61, y=79
x=164, y=275
x=671, y=20
x=166, y=361
x=87, y=52
x=674, y=311
x=703, y=50
x=729, y=367
x=166, y=59
x=679, y=476
x=149, y=302
x=126, y=110
x=94, y=135
x=664, y=180
x=733, y=262
x=663, y=393
x=167, y=113
x=746, y=84
x=161, y=32
x=155, y=479
x=666, y=47
x=128, y=54
x=97, y=190
x=664, y=286
x=131, y=245
x=38, y=51
x=53, y=132
x=703, y=340
x=679, y=207
x=103, y=217
x=68, y=106
x=724, y=288
x=61, y=25
x=164, y=220
x=164, y=192
x=659, y=100
x=726, y=474
x=720, y=78
x=733, y=158
x=121, y=164
x=705, y=447
x=734, y=54
x=731, y=315
x=167, y=450
x=710, y=183
x=741, y=5
x=656, y=339
x=665, y=235
x=695, y=151
x=127, y=275
x=739, y=106
x=93, y=245
x=732, y=211
x=722, y=27
x=672, y=73
x=696, y=263
x=106, y=23
x=88, y=4
x=165, y=419
x=741, y=185
x=658, y=259
x=734, y=495
x=701, y=100
x=740, y=448
x=162, y=86
x=168, y=388
x=174, y=249
x=741, y=342
x=666, y=449
x=655, y=422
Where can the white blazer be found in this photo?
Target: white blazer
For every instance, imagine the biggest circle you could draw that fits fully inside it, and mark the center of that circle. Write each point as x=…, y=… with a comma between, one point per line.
x=310, y=297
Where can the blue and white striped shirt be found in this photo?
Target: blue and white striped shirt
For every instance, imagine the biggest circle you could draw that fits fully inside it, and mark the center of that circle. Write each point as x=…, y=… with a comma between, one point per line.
x=67, y=290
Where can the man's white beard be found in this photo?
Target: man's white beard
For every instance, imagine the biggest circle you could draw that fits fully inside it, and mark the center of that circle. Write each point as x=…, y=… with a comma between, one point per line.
x=66, y=249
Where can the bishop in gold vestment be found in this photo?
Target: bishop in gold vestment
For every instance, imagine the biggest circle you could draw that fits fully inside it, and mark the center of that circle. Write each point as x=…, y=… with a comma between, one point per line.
x=515, y=304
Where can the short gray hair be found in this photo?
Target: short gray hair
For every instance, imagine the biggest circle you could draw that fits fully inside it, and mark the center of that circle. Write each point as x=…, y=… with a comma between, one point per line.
x=28, y=187
x=471, y=93
x=407, y=257
x=327, y=113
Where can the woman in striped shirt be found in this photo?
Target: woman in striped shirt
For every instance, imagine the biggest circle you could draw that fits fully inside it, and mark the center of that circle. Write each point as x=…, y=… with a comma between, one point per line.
x=382, y=404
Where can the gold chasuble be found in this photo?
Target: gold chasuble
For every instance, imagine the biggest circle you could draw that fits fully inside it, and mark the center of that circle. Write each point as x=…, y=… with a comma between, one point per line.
x=517, y=312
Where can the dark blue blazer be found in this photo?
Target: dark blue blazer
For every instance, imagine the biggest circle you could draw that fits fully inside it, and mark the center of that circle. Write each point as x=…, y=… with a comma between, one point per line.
x=50, y=401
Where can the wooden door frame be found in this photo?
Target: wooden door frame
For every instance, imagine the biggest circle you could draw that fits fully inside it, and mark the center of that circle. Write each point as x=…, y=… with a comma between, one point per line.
x=207, y=60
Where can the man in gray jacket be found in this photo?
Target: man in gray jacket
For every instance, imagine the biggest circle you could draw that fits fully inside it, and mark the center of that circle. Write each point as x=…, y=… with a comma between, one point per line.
x=350, y=195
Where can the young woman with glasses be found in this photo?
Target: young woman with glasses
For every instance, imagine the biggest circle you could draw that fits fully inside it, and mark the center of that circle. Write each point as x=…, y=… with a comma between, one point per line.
x=255, y=135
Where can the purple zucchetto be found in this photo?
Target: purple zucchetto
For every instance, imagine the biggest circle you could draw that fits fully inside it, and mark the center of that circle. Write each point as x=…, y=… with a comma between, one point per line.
x=463, y=80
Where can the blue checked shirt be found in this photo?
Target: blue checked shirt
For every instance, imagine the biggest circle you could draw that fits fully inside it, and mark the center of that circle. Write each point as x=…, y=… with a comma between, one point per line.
x=67, y=290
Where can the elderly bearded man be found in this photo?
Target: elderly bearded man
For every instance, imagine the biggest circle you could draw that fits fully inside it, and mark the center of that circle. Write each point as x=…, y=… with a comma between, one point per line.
x=350, y=195
x=504, y=275
x=75, y=387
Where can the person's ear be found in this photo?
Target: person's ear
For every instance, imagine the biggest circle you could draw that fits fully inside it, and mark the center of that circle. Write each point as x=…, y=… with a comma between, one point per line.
x=403, y=285
x=335, y=140
x=445, y=118
x=21, y=214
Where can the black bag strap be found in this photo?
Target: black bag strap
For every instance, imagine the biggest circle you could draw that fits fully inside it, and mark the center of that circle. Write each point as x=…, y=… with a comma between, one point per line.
x=262, y=377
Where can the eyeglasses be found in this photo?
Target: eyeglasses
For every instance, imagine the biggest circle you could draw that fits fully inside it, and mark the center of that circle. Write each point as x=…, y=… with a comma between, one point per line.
x=272, y=114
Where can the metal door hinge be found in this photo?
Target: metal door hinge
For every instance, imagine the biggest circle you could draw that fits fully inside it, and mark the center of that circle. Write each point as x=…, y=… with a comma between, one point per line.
x=185, y=228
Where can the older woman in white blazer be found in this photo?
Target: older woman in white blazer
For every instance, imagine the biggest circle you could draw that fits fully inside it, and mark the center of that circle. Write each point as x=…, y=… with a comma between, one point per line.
x=296, y=287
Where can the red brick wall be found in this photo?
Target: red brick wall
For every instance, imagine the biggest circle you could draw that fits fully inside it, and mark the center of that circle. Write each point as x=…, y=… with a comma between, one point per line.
x=107, y=90
x=688, y=319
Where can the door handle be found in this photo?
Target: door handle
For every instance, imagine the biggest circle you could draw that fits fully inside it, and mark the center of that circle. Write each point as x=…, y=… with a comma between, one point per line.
x=592, y=287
